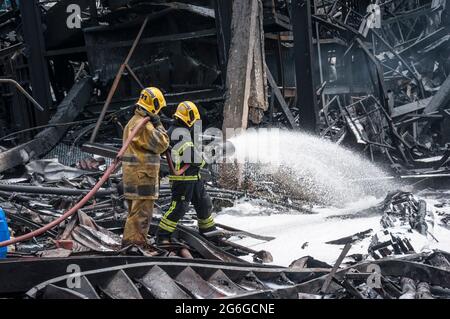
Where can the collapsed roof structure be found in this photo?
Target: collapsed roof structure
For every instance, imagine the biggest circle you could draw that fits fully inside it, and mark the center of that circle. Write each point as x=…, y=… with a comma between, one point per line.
x=70, y=75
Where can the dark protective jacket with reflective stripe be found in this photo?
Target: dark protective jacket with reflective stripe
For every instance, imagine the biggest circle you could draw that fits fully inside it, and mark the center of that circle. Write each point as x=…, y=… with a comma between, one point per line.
x=185, y=152
x=141, y=161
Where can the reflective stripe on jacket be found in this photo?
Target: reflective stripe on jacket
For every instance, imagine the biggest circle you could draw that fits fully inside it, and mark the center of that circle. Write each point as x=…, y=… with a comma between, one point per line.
x=192, y=173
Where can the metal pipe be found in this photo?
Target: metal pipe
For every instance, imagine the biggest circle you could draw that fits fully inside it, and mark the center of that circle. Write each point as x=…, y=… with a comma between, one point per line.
x=51, y=190
x=172, y=168
x=116, y=81
x=24, y=92
x=86, y=198
x=403, y=61
x=134, y=76
x=319, y=56
x=43, y=126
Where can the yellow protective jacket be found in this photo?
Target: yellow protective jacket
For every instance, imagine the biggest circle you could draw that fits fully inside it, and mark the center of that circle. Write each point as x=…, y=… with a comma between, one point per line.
x=140, y=163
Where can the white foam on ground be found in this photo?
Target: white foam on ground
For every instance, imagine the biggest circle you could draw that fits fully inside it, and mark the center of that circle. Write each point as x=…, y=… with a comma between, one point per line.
x=292, y=231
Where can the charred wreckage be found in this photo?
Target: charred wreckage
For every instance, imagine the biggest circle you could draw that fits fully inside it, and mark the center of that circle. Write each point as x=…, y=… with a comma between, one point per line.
x=370, y=75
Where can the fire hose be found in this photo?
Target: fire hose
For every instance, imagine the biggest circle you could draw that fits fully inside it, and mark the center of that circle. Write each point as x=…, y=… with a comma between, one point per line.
x=115, y=164
x=85, y=199
x=172, y=168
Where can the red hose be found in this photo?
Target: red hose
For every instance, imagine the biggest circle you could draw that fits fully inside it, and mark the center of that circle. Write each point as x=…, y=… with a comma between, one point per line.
x=172, y=168
x=86, y=198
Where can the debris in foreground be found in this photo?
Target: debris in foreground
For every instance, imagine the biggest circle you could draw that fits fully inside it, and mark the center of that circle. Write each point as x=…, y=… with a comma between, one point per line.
x=384, y=91
x=90, y=240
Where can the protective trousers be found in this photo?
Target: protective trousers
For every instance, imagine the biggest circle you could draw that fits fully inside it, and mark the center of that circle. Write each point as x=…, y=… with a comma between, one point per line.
x=140, y=212
x=183, y=193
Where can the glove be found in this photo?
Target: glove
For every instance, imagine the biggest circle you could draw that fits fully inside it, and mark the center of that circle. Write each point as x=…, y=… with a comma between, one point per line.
x=166, y=120
x=155, y=120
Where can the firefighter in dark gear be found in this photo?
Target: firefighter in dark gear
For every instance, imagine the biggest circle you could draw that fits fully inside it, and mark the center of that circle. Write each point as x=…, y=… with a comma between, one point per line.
x=140, y=165
x=188, y=187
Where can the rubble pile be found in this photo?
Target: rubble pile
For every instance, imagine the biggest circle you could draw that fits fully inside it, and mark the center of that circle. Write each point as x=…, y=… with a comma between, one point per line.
x=375, y=81
x=411, y=277
x=404, y=218
x=387, y=279
x=95, y=231
x=401, y=210
x=392, y=267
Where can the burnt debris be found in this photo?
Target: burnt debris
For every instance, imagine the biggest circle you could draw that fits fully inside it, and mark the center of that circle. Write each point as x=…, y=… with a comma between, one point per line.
x=379, y=79
x=374, y=78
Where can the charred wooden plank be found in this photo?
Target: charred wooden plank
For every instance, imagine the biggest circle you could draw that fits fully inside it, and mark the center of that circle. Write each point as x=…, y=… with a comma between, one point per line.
x=327, y=282
x=244, y=32
x=68, y=110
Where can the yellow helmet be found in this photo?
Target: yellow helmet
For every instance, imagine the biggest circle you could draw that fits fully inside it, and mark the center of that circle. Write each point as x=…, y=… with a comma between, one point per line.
x=152, y=100
x=188, y=112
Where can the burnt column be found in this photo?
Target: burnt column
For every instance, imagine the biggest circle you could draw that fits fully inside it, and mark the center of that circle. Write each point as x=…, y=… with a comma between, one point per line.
x=93, y=12
x=35, y=46
x=303, y=50
x=223, y=12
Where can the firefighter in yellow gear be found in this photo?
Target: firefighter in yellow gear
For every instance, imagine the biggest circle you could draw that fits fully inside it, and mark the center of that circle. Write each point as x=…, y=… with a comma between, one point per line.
x=188, y=187
x=140, y=165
